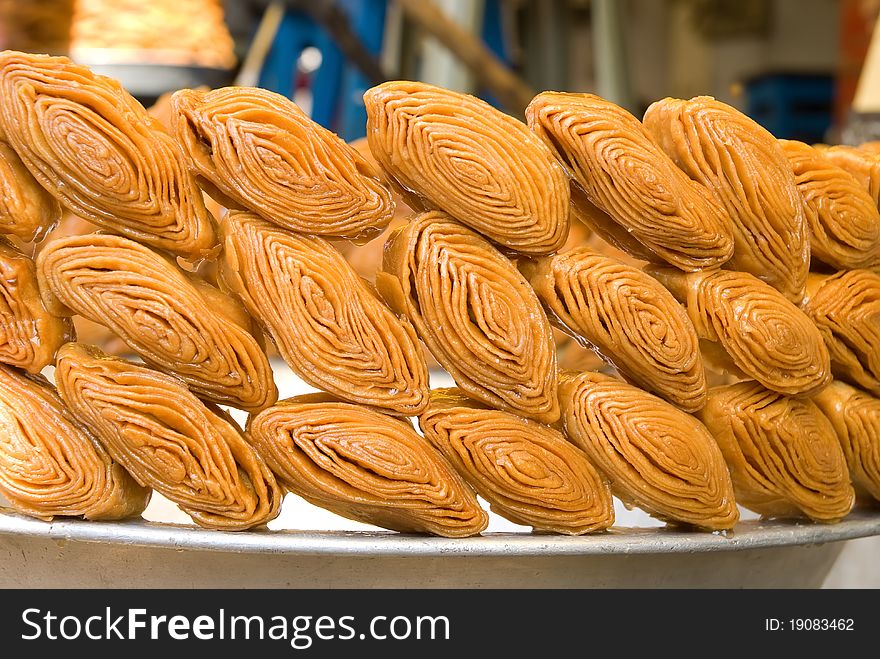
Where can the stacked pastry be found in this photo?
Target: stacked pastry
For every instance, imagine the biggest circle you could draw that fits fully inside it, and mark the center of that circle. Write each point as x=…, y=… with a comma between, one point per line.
x=50, y=465
x=855, y=415
x=863, y=165
x=656, y=456
x=695, y=186
x=26, y=209
x=199, y=344
x=635, y=191
x=29, y=334
x=456, y=153
x=181, y=326
x=364, y=465
x=78, y=141
x=94, y=148
x=257, y=150
x=528, y=472
x=169, y=440
x=475, y=312
x=784, y=456
x=628, y=317
x=694, y=271
x=842, y=216
x=846, y=308
x=745, y=170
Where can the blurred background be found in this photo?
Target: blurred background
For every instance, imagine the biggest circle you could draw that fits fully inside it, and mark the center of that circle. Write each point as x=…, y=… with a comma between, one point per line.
x=802, y=68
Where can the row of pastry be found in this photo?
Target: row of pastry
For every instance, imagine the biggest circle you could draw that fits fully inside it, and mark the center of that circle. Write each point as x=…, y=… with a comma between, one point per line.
x=473, y=275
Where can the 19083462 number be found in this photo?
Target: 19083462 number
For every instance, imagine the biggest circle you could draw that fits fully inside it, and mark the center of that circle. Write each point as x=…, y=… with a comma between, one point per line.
x=809, y=624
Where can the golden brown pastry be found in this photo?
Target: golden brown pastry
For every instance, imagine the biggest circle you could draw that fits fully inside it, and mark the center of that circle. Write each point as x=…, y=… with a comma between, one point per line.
x=258, y=149
x=189, y=452
x=367, y=261
x=94, y=334
x=783, y=455
x=528, y=472
x=599, y=245
x=855, y=416
x=579, y=233
x=863, y=165
x=871, y=146
x=657, y=457
x=605, y=230
x=748, y=325
x=366, y=258
x=628, y=317
x=175, y=323
x=843, y=219
x=26, y=209
x=476, y=313
x=744, y=167
x=329, y=325
x=29, y=335
x=626, y=175
x=459, y=154
x=162, y=111
x=572, y=356
x=52, y=466
x=71, y=225
x=85, y=330
x=365, y=466
x=846, y=309
x=95, y=148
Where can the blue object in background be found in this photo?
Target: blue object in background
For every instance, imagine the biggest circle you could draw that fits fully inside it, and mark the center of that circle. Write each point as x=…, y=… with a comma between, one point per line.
x=368, y=20
x=493, y=37
x=794, y=106
x=296, y=32
x=337, y=85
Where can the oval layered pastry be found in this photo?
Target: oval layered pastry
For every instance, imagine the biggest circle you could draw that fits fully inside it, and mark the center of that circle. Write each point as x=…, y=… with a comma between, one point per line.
x=365, y=466
x=528, y=472
x=871, y=146
x=260, y=150
x=657, y=457
x=846, y=309
x=843, y=219
x=167, y=439
x=26, y=209
x=862, y=165
x=744, y=167
x=762, y=334
x=855, y=416
x=625, y=174
x=94, y=147
x=175, y=324
x=628, y=317
x=29, y=334
x=476, y=313
x=608, y=234
x=483, y=167
x=52, y=466
x=329, y=325
x=784, y=457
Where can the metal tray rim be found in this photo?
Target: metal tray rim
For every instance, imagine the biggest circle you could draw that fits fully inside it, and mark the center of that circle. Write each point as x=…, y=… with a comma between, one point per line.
x=618, y=540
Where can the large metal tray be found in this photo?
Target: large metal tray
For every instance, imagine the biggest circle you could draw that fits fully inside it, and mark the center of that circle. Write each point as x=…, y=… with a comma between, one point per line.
x=75, y=553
